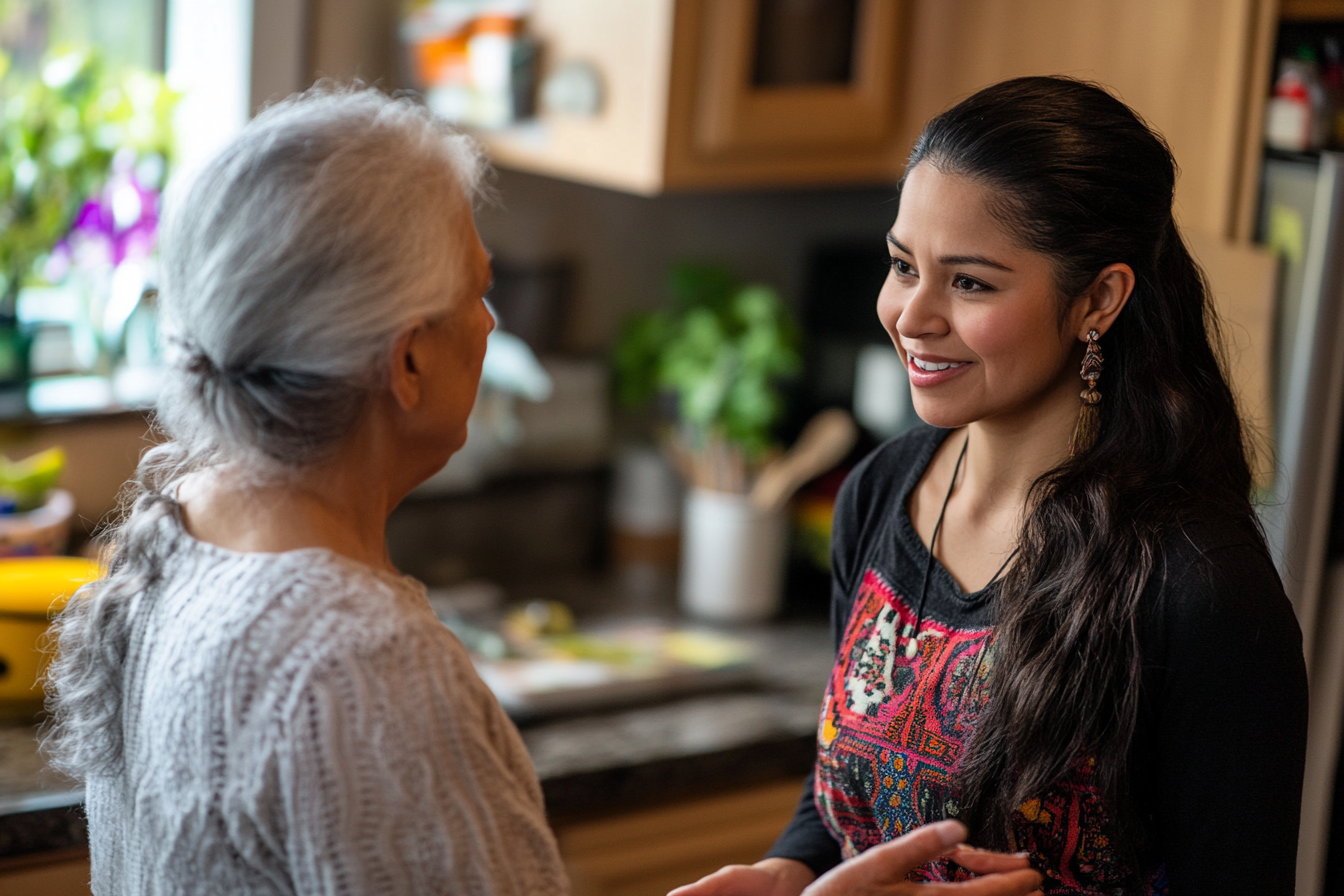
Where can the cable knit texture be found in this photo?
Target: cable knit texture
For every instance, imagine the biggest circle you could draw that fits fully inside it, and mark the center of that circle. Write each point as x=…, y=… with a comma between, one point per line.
x=299, y=723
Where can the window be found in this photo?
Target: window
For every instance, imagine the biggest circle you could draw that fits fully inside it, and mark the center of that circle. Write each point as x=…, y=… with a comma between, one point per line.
x=125, y=32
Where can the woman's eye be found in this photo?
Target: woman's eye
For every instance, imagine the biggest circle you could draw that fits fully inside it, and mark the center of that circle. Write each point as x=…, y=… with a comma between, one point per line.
x=902, y=266
x=966, y=284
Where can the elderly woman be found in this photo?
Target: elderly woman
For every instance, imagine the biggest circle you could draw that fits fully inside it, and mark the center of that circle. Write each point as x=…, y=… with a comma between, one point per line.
x=256, y=700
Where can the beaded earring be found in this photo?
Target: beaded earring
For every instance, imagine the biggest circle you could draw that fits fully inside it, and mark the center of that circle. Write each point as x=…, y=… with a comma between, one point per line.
x=1089, y=415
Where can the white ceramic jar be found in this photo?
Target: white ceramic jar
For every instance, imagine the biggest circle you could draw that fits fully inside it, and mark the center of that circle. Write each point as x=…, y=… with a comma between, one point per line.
x=732, y=558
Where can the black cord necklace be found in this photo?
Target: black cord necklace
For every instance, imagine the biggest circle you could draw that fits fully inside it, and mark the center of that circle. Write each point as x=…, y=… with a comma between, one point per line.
x=912, y=645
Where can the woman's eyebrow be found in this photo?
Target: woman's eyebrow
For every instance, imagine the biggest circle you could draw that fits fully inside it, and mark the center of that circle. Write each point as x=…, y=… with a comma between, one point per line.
x=952, y=260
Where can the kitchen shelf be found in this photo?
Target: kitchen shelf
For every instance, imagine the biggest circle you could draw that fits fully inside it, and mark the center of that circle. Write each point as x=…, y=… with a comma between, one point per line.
x=1311, y=10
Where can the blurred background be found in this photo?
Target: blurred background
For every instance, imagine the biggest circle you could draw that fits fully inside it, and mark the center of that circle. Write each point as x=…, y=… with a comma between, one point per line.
x=687, y=225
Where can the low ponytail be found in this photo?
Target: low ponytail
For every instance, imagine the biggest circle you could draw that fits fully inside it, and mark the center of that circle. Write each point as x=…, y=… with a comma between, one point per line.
x=82, y=737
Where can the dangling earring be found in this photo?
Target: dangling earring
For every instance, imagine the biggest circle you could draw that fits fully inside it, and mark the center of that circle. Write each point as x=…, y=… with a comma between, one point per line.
x=1089, y=415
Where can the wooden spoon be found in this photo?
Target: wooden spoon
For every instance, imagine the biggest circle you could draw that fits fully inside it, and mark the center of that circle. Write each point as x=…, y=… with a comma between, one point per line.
x=824, y=442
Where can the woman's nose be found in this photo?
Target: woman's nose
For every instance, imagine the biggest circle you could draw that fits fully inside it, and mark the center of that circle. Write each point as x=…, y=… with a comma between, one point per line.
x=921, y=315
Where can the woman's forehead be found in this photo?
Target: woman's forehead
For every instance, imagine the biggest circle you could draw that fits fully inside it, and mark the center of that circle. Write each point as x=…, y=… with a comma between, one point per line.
x=941, y=212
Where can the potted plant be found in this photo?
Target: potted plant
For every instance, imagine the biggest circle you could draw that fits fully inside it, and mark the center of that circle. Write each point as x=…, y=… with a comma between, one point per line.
x=62, y=130
x=717, y=357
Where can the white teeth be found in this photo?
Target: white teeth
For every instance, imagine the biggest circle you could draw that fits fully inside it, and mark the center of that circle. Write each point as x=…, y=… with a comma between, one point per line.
x=942, y=365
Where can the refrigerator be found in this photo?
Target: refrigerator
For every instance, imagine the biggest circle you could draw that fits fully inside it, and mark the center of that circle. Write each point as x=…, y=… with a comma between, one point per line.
x=1302, y=220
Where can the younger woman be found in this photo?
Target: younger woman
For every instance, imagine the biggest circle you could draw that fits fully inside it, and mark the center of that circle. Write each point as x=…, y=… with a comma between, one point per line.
x=1054, y=614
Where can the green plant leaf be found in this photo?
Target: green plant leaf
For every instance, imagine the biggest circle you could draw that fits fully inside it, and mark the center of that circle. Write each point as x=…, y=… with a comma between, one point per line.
x=721, y=349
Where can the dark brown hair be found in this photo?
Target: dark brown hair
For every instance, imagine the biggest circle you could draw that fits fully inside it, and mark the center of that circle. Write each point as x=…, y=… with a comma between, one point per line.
x=1080, y=178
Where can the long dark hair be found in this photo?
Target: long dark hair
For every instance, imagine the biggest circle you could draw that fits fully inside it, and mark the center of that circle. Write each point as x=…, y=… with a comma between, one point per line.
x=1080, y=178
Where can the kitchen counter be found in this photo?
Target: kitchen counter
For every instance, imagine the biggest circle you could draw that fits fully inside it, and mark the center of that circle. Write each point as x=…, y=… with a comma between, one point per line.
x=589, y=765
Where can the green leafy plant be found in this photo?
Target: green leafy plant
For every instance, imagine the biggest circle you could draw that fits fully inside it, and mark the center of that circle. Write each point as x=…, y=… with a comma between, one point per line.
x=24, y=484
x=722, y=349
x=60, y=132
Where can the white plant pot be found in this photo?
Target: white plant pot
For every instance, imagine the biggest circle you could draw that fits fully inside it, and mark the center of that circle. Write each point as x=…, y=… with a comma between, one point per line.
x=732, y=558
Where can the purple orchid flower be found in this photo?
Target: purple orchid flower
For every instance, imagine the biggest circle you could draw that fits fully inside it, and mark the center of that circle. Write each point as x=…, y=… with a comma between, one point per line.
x=119, y=222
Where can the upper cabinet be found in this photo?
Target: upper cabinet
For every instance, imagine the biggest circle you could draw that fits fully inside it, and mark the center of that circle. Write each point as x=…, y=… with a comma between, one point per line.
x=1196, y=70
x=756, y=93
x=719, y=93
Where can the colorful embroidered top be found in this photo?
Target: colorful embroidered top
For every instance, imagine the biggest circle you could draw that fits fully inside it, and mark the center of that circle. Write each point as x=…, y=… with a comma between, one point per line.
x=1218, y=754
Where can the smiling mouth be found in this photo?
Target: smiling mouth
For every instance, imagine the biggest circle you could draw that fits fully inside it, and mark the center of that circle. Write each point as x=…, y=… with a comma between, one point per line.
x=936, y=365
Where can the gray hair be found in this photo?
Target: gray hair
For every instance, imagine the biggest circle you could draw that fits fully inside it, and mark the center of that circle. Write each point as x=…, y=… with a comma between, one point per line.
x=291, y=261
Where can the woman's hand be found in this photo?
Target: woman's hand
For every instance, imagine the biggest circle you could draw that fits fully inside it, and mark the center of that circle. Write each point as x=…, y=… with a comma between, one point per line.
x=768, y=877
x=880, y=871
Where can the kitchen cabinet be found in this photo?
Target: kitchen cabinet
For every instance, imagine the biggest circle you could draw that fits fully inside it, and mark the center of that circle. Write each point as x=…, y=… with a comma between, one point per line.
x=646, y=852
x=59, y=873
x=649, y=852
x=1196, y=70
x=1311, y=10
x=685, y=108
x=689, y=100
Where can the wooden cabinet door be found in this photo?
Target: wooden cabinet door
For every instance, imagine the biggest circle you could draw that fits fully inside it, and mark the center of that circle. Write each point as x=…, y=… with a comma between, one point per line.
x=60, y=873
x=1197, y=70
x=683, y=110
x=725, y=129
x=735, y=113
x=649, y=852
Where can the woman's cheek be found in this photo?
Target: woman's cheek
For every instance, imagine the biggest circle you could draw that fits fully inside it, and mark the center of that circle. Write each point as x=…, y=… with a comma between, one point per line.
x=889, y=308
x=1014, y=353
x=992, y=339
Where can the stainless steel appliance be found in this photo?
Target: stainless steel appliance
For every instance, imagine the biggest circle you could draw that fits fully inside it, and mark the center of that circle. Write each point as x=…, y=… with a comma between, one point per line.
x=1302, y=218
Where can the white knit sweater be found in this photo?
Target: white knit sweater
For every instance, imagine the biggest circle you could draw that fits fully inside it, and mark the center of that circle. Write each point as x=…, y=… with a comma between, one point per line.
x=300, y=723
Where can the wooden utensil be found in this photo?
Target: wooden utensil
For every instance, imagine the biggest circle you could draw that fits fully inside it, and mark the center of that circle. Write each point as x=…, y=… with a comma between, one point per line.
x=823, y=443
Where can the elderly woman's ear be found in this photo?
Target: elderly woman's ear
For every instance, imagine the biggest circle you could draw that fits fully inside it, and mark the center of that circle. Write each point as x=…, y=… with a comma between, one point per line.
x=406, y=366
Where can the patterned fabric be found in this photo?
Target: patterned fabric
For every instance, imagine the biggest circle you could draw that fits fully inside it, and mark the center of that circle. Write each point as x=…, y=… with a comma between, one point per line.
x=300, y=724
x=893, y=727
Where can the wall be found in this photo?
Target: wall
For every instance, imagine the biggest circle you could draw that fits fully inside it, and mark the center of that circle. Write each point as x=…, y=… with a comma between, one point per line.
x=622, y=244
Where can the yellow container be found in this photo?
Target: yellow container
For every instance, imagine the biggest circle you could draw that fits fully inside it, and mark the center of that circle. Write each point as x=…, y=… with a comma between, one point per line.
x=32, y=591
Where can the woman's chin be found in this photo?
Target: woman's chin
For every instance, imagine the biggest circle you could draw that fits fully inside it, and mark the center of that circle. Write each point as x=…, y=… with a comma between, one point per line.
x=430, y=459
x=456, y=442
x=942, y=414
x=449, y=447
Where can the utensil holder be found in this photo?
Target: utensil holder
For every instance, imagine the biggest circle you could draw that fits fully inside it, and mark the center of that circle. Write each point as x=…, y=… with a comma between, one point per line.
x=732, y=558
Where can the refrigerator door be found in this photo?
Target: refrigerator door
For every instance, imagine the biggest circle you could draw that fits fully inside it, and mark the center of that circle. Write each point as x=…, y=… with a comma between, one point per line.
x=1303, y=218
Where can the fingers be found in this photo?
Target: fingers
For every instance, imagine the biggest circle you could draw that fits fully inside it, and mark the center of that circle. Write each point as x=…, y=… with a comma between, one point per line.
x=1024, y=882
x=720, y=883
x=883, y=868
x=888, y=863
x=895, y=859
x=984, y=861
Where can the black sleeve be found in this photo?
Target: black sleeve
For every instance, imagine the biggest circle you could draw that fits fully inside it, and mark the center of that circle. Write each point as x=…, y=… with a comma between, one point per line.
x=1231, y=728
x=806, y=838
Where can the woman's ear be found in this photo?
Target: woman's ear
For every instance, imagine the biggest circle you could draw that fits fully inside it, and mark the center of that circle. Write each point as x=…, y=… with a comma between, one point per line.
x=1105, y=299
x=404, y=371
